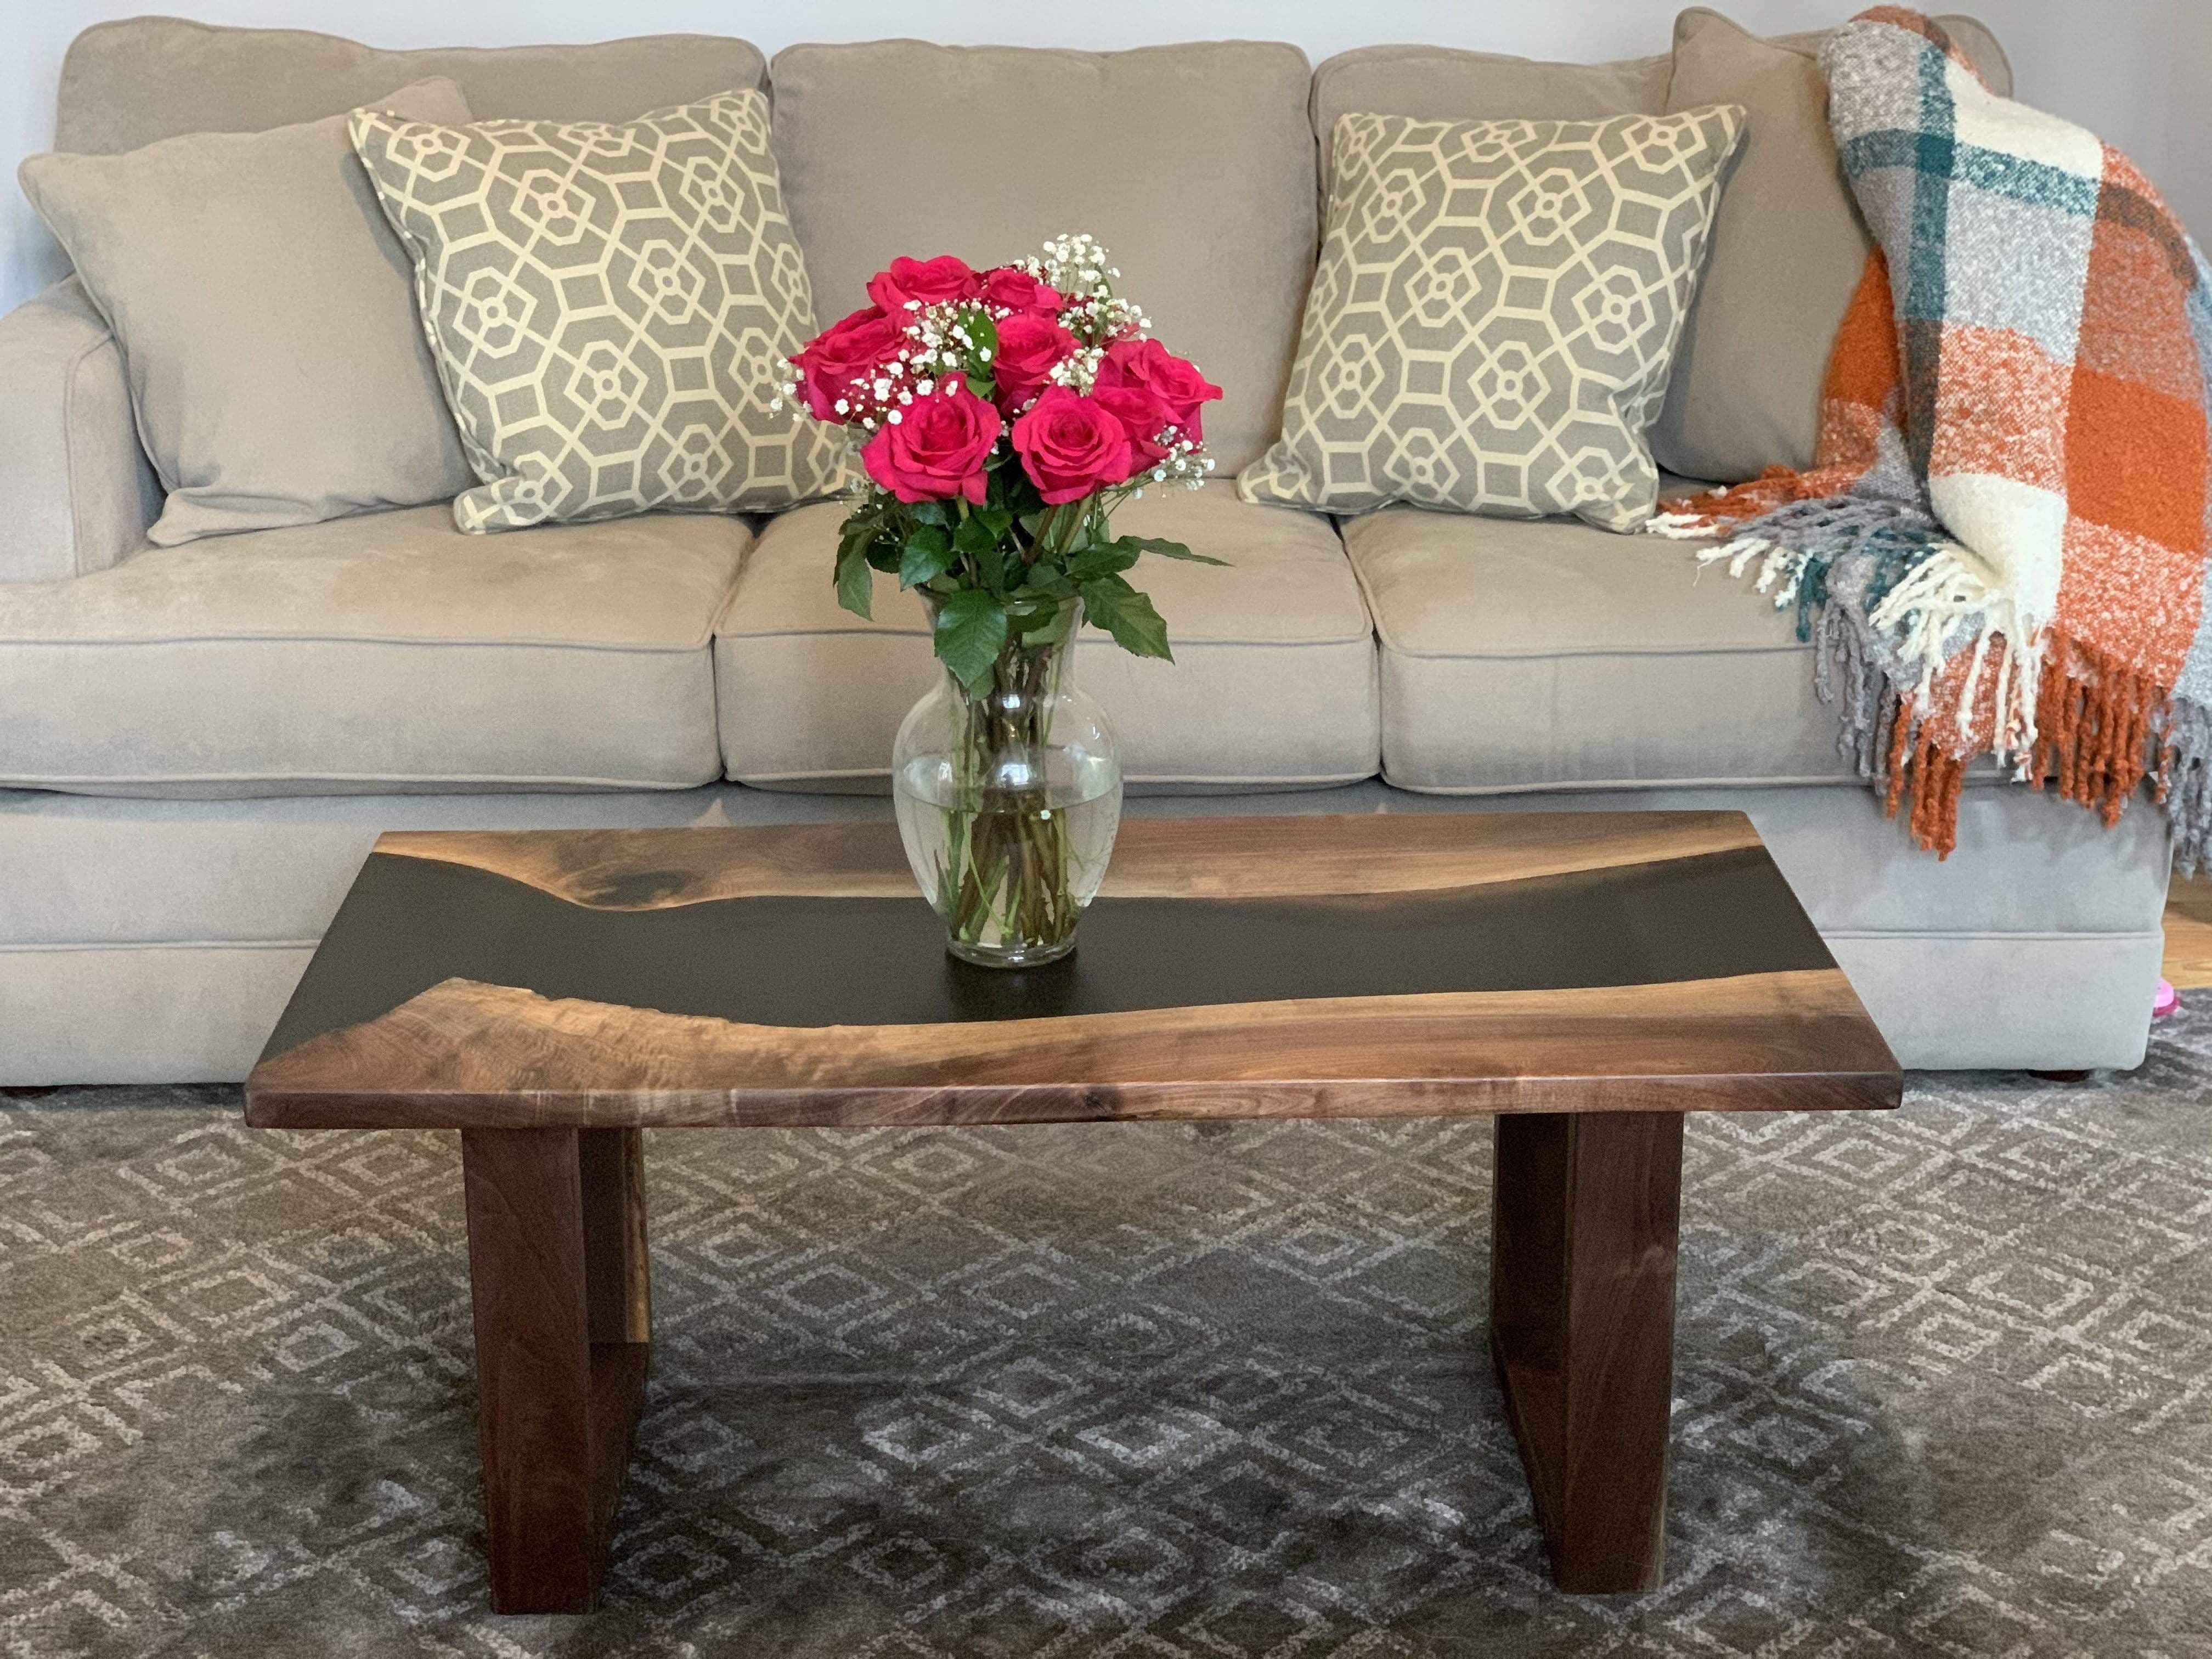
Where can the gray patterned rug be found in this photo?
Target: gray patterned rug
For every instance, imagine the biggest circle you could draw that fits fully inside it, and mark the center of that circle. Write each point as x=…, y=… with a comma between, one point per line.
x=1153, y=1392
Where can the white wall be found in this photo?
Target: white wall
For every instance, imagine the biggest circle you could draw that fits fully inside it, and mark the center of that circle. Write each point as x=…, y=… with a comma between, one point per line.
x=2133, y=70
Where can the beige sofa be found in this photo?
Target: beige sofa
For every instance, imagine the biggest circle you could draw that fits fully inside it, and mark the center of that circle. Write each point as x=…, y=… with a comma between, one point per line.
x=198, y=743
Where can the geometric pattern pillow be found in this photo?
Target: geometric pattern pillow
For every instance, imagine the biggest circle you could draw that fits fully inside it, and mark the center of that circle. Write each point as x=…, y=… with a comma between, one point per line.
x=610, y=307
x=1495, y=313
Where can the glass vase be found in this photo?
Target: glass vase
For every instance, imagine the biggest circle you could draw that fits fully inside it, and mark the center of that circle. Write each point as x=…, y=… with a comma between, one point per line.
x=1008, y=800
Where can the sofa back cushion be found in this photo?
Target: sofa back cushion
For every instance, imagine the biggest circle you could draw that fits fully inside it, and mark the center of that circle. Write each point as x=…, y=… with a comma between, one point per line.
x=1442, y=83
x=128, y=83
x=1974, y=37
x=1495, y=314
x=1193, y=164
x=1788, y=250
x=611, y=305
x=277, y=371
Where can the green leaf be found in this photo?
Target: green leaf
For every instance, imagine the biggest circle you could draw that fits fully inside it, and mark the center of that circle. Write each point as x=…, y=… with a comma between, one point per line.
x=992, y=566
x=933, y=512
x=1037, y=619
x=1168, y=550
x=1126, y=615
x=974, y=535
x=982, y=342
x=979, y=359
x=1047, y=583
x=928, y=553
x=863, y=535
x=1011, y=489
x=855, y=581
x=857, y=531
x=1101, y=559
x=971, y=631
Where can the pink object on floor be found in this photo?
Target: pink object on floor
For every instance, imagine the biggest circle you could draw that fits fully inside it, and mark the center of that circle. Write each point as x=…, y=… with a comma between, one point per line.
x=2165, y=1001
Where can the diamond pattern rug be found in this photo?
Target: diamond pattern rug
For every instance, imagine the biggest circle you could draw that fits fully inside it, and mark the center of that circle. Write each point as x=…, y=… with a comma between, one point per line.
x=1168, y=1392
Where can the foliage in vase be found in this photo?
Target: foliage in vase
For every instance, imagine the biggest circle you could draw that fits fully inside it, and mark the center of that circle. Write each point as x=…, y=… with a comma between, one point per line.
x=1005, y=413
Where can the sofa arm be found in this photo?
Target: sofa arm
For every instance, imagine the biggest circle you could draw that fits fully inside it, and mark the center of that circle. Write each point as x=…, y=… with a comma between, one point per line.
x=75, y=492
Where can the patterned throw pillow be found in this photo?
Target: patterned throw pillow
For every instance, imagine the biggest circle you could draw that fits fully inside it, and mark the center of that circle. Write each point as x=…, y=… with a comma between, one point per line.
x=610, y=305
x=1495, y=313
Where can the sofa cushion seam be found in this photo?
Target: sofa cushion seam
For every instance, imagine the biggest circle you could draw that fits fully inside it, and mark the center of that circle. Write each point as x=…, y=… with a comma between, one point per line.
x=72, y=782
x=2024, y=935
x=1578, y=652
x=31, y=947
x=894, y=632
x=69, y=466
x=20, y=642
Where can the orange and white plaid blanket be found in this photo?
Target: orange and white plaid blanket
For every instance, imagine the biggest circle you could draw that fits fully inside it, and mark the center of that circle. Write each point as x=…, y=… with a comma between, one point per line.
x=2003, y=542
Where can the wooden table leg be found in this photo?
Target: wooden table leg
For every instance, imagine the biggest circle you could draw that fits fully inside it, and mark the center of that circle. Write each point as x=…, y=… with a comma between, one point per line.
x=559, y=1280
x=1582, y=1308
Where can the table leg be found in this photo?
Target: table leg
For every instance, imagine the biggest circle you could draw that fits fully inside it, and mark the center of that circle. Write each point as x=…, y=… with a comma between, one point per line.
x=1587, y=1207
x=558, y=1277
x=618, y=1271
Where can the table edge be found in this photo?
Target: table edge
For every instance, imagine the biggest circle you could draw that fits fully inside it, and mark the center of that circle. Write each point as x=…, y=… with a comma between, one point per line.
x=958, y=1104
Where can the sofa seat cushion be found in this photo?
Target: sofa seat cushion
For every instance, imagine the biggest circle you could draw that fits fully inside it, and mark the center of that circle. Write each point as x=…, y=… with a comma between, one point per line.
x=377, y=652
x=1272, y=683
x=1548, y=655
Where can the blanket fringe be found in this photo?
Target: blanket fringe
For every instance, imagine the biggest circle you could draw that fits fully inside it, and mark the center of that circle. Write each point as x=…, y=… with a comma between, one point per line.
x=2097, y=716
x=2096, y=719
x=1926, y=595
x=1959, y=672
x=1929, y=775
x=2185, y=782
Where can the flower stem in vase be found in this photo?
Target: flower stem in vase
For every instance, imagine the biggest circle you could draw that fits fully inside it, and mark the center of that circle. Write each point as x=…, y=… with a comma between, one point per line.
x=1002, y=415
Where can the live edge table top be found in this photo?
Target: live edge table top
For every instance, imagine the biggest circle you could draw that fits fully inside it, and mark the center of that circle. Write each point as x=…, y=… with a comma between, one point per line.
x=1418, y=964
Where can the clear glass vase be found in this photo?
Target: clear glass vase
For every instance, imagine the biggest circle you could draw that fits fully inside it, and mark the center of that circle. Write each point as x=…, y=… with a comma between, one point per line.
x=1008, y=800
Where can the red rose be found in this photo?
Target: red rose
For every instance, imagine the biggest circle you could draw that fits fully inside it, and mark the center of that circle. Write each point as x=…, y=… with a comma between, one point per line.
x=850, y=351
x=930, y=282
x=1009, y=288
x=1071, y=446
x=1141, y=413
x=935, y=447
x=1178, y=385
x=1030, y=347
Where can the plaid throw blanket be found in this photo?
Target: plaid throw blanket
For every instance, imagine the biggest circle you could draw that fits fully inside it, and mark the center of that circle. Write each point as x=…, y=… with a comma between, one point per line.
x=2002, y=546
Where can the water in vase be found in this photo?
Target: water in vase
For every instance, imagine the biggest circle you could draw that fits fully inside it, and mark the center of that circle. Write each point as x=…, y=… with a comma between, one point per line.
x=1011, y=858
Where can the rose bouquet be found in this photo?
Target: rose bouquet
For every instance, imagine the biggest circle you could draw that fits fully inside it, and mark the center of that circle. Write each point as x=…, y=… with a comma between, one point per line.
x=1003, y=415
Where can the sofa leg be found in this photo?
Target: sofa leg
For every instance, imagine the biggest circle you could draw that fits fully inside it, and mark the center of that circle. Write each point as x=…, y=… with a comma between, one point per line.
x=2060, y=1077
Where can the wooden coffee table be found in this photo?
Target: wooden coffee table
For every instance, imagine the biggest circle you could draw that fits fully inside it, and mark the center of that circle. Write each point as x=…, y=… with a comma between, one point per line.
x=1587, y=977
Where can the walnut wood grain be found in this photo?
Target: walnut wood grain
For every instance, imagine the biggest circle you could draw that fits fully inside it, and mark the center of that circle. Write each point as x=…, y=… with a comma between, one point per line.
x=1585, y=1213
x=1153, y=858
x=464, y=1053
x=1589, y=977
x=556, y=1409
x=618, y=1270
